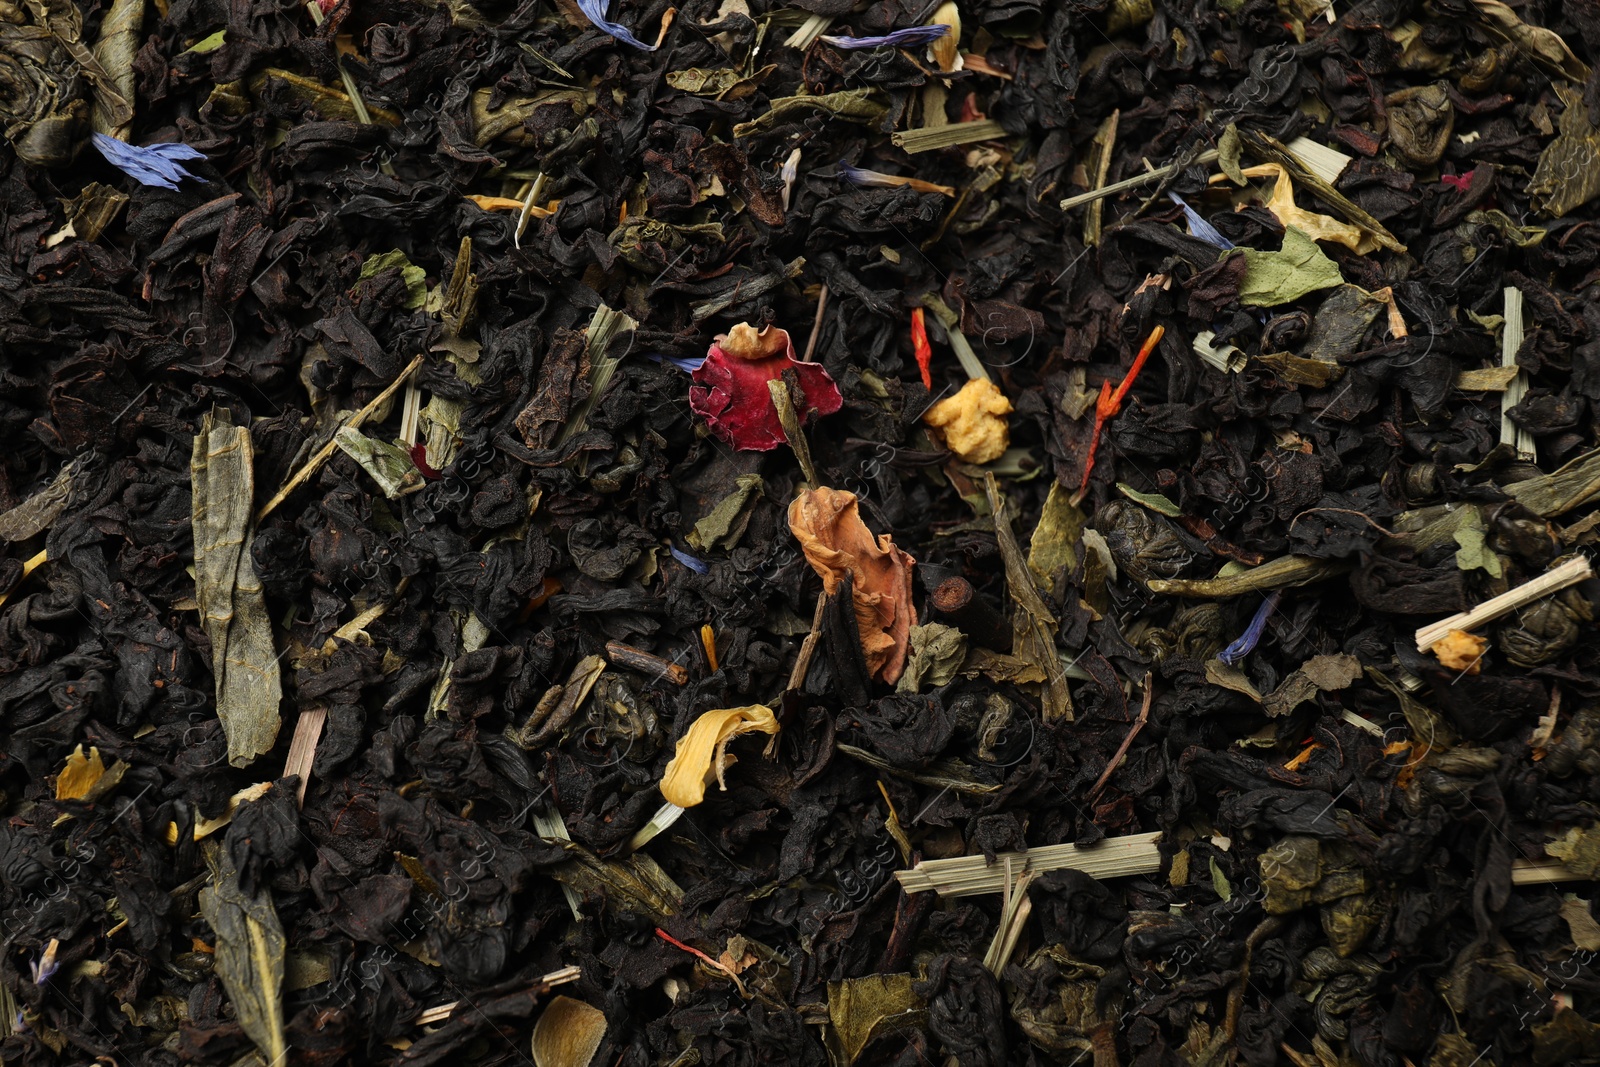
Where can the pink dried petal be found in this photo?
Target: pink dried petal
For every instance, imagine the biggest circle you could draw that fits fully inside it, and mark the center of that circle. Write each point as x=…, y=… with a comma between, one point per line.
x=730, y=388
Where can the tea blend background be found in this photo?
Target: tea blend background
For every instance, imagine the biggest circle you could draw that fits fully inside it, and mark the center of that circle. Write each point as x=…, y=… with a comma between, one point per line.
x=370, y=547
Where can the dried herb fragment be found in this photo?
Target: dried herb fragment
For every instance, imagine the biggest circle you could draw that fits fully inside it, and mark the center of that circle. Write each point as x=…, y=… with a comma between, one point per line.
x=861, y=1010
x=232, y=609
x=1298, y=268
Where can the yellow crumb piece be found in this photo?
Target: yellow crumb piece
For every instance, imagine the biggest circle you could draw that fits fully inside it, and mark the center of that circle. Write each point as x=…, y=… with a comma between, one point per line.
x=1461, y=651
x=973, y=421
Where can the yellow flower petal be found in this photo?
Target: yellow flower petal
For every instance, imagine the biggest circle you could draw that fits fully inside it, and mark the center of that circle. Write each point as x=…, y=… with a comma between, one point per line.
x=80, y=774
x=702, y=752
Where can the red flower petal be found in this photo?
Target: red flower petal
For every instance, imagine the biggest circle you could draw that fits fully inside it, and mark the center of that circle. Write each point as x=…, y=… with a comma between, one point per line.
x=730, y=388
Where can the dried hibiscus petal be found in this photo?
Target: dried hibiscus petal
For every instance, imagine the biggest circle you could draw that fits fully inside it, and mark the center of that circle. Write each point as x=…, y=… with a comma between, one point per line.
x=836, y=542
x=730, y=388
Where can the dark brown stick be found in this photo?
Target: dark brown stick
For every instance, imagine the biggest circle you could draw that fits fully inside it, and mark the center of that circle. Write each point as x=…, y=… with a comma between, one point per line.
x=957, y=601
x=637, y=659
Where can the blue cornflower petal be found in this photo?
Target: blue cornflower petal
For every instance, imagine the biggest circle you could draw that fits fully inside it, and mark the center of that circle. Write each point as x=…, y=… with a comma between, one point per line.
x=912, y=35
x=158, y=165
x=1247, y=641
x=688, y=561
x=595, y=10
x=688, y=366
x=1200, y=227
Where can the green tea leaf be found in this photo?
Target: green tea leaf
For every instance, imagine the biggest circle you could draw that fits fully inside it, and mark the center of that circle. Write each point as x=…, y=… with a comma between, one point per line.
x=1219, y=882
x=1053, y=547
x=232, y=609
x=206, y=44
x=1154, y=501
x=1298, y=268
x=390, y=466
x=416, y=278
x=249, y=955
x=1031, y=620
x=851, y=105
x=1472, y=555
x=861, y=1009
x=937, y=653
x=725, y=523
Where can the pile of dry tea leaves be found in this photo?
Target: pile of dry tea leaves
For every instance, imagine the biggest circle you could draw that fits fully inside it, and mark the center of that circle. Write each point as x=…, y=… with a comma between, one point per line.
x=963, y=532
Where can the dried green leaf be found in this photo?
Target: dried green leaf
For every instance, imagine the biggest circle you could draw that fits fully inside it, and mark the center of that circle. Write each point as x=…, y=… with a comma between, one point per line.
x=850, y=105
x=206, y=44
x=416, y=278
x=34, y=515
x=249, y=954
x=1581, y=924
x=232, y=609
x=1219, y=882
x=1568, y=174
x=1578, y=849
x=862, y=1009
x=724, y=84
x=1473, y=555
x=94, y=208
x=1032, y=623
x=604, y=325
x=931, y=138
x=1296, y=370
x=1283, y=573
x=1230, y=149
x=1545, y=47
x=1154, y=501
x=1298, y=268
x=1230, y=677
x=1319, y=674
x=1052, y=548
x=937, y=654
x=725, y=523
x=118, y=45
x=636, y=883
x=390, y=466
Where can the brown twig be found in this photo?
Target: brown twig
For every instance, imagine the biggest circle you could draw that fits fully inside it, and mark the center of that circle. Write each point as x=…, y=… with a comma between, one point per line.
x=637, y=659
x=816, y=324
x=1138, y=724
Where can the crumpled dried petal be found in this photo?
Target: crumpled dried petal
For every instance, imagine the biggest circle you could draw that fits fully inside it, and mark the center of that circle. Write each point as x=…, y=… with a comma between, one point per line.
x=595, y=12
x=159, y=165
x=827, y=522
x=1321, y=227
x=730, y=388
x=80, y=774
x=703, y=751
x=1461, y=651
x=974, y=421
